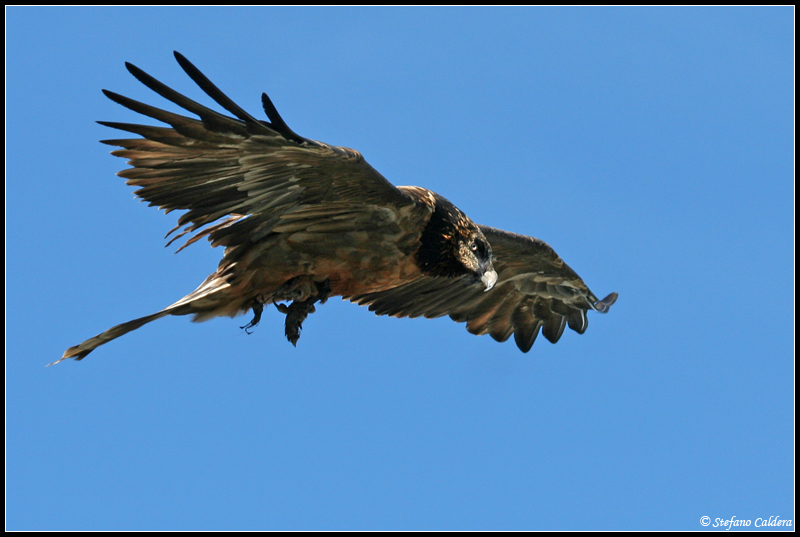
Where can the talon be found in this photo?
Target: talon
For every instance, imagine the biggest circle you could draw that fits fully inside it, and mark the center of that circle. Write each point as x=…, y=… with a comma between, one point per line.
x=258, y=308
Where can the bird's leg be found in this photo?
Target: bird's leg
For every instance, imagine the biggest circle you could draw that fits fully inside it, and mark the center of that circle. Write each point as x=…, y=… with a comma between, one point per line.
x=258, y=308
x=299, y=310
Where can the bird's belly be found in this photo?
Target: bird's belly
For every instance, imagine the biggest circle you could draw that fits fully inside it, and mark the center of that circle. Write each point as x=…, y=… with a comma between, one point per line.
x=353, y=263
x=351, y=275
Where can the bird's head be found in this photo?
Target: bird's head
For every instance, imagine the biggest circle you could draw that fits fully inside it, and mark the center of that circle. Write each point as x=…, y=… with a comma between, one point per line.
x=475, y=254
x=453, y=246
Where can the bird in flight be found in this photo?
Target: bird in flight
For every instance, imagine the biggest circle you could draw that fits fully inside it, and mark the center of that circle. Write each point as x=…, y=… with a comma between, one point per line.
x=301, y=221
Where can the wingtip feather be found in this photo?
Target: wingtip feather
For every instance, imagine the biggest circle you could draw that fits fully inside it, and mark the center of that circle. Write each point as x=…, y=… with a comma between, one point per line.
x=603, y=305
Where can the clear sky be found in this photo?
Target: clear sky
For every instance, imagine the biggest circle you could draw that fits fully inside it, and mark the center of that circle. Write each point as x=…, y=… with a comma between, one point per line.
x=652, y=148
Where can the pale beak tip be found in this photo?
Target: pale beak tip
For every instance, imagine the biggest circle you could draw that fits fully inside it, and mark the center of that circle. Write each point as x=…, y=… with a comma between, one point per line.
x=489, y=278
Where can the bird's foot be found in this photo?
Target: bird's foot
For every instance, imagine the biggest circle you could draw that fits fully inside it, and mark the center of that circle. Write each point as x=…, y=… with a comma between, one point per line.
x=258, y=308
x=296, y=313
x=299, y=310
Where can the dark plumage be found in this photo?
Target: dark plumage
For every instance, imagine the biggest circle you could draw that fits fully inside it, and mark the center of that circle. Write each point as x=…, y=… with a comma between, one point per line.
x=301, y=221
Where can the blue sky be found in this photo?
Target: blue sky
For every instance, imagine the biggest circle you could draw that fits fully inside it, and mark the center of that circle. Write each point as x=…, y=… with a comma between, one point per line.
x=652, y=148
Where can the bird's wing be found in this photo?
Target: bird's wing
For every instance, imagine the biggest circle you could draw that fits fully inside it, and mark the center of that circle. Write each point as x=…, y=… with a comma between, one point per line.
x=535, y=291
x=237, y=176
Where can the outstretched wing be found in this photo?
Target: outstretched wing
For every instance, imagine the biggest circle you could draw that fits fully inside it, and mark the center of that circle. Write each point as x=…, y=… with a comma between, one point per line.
x=535, y=291
x=236, y=175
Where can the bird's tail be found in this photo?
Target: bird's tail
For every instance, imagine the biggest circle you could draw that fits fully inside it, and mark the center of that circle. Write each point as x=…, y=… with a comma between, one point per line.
x=79, y=352
x=209, y=300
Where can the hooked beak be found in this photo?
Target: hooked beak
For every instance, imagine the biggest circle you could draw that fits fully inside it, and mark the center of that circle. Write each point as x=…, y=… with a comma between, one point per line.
x=489, y=278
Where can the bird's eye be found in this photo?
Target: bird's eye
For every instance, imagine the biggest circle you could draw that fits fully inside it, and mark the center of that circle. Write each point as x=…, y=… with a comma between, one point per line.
x=473, y=246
